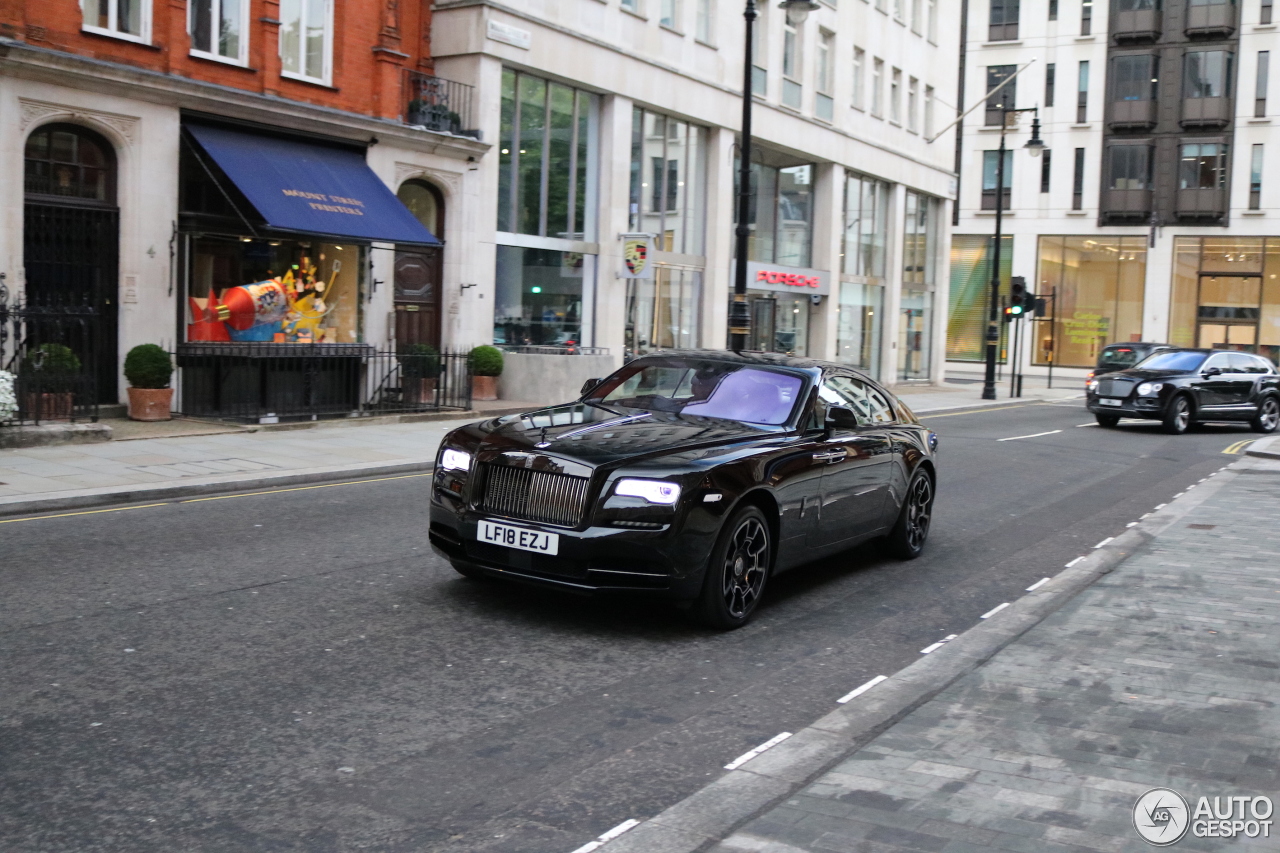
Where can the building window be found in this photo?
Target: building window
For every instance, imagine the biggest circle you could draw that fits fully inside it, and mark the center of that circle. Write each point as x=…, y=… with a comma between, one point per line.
x=1082, y=93
x=670, y=14
x=1050, y=73
x=866, y=227
x=547, y=158
x=1208, y=74
x=126, y=19
x=928, y=112
x=823, y=104
x=69, y=162
x=1135, y=78
x=630, y=5
x=990, y=169
x=662, y=311
x=858, y=325
x=217, y=29
x=781, y=213
x=895, y=97
x=859, y=84
x=1006, y=98
x=1046, y=161
x=1053, y=10
x=1003, y=21
x=968, y=295
x=792, y=91
x=1264, y=12
x=1098, y=283
x=1260, y=84
x=920, y=239
x=933, y=21
x=1077, y=182
x=759, y=56
x=1130, y=167
x=1255, y=178
x=1203, y=166
x=306, y=39
x=916, y=17
x=539, y=296
x=877, y=88
x=913, y=334
x=1086, y=17
x=913, y=105
x=705, y=16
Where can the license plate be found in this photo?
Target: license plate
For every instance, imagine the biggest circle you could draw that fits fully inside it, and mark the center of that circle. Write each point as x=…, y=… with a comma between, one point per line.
x=1104, y=401
x=511, y=536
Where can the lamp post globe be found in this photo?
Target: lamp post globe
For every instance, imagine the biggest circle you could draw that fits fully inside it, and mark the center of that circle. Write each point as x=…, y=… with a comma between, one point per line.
x=797, y=10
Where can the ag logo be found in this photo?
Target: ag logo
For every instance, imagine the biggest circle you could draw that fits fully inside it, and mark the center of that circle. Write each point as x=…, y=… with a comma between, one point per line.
x=1161, y=817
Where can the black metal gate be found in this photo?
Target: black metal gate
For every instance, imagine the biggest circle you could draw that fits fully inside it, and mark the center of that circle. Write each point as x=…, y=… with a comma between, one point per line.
x=72, y=267
x=42, y=347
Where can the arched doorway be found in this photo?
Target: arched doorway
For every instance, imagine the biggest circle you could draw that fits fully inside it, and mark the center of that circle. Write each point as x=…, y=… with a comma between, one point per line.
x=419, y=271
x=71, y=233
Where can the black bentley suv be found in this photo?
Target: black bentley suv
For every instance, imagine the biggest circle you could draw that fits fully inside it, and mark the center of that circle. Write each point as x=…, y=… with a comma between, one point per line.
x=692, y=475
x=1180, y=387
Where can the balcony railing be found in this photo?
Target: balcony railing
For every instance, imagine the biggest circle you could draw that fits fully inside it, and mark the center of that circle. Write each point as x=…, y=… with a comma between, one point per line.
x=1126, y=204
x=1202, y=203
x=1206, y=112
x=440, y=105
x=1136, y=25
x=1132, y=115
x=1217, y=21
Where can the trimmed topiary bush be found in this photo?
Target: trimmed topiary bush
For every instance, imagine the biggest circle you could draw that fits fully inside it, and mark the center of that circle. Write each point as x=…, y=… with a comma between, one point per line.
x=486, y=361
x=148, y=366
x=58, y=360
x=420, y=361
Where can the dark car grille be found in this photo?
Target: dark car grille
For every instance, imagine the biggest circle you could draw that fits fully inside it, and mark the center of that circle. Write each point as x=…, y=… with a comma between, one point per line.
x=1114, y=387
x=534, y=495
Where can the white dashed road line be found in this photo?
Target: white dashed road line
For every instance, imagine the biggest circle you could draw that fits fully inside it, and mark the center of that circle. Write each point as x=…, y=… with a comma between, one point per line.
x=1091, y=423
x=927, y=649
x=1037, y=584
x=608, y=836
x=863, y=689
x=747, y=756
x=993, y=611
x=1073, y=562
x=1034, y=435
x=1103, y=542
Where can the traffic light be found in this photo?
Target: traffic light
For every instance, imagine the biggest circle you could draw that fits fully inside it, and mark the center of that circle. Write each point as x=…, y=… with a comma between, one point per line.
x=1018, y=298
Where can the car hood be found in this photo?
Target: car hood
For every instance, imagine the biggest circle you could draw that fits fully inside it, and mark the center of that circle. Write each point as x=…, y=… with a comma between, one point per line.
x=596, y=437
x=1140, y=375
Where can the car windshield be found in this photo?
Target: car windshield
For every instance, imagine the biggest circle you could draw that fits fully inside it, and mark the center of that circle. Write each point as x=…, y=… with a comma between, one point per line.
x=1184, y=360
x=708, y=389
x=1118, y=357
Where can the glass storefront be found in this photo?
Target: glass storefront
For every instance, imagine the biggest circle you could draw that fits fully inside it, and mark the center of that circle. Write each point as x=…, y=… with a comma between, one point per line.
x=668, y=200
x=918, y=242
x=781, y=213
x=969, y=298
x=1098, y=283
x=866, y=226
x=779, y=323
x=858, y=325
x=1226, y=294
x=539, y=297
x=914, y=336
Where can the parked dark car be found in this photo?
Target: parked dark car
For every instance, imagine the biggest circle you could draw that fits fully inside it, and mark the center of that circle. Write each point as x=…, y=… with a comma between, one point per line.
x=1115, y=357
x=690, y=475
x=1180, y=387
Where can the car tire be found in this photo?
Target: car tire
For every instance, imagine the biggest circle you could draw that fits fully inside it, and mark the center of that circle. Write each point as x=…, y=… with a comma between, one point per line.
x=1107, y=420
x=1177, y=415
x=467, y=570
x=907, y=539
x=1268, y=416
x=737, y=571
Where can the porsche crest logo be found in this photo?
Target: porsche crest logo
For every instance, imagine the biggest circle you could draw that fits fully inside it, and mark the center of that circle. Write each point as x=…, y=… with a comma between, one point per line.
x=635, y=253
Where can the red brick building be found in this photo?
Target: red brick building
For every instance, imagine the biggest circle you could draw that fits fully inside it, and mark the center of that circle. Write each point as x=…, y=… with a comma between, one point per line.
x=154, y=152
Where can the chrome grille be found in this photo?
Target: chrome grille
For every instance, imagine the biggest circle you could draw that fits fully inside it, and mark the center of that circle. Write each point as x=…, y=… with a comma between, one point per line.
x=1114, y=387
x=534, y=495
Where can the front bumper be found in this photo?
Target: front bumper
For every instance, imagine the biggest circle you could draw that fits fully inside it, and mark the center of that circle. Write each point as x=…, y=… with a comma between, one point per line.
x=668, y=563
x=1148, y=408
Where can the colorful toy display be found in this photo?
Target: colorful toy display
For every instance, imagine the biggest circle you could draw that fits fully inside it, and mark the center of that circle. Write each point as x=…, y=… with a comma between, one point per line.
x=286, y=309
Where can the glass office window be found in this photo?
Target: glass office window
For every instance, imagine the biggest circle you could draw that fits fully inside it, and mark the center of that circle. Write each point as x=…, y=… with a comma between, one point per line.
x=668, y=181
x=866, y=226
x=1098, y=284
x=539, y=297
x=858, y=324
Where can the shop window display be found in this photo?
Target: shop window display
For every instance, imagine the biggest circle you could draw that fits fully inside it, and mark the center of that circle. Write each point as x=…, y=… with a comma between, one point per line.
x=1099, y=285
x=969, y=296
x=274, y=291
x=1226, y=294
x=913, y=334
x=858, y=325
x=539, y=297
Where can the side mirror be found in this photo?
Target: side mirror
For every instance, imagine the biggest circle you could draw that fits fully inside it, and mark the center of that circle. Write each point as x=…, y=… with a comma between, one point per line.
x=841, y=417
x=1212, y=371
x=589, y=385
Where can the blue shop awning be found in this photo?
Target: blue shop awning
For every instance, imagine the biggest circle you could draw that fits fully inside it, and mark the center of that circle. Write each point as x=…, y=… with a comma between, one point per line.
x=311, y=188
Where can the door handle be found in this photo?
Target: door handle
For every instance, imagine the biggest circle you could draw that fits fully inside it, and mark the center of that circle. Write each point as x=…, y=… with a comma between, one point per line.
x=830, y=456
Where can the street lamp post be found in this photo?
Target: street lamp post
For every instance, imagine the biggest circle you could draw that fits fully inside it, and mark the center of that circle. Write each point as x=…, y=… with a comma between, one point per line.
x=1034, y=146
x=739, y=316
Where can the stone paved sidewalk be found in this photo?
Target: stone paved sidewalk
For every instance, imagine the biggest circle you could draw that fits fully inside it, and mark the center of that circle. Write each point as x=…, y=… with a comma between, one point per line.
x=1165, y=672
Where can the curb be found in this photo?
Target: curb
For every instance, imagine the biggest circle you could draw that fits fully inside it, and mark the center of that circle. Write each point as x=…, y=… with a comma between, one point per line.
x=991, y=404
x=710, y=815
x=208, y=486
x=1262, y=448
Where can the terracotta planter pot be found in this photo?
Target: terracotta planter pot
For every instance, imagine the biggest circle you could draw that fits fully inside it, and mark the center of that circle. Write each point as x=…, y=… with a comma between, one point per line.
x=150, y=404
x=51, y=406
x=484, y=387
x=421, y=390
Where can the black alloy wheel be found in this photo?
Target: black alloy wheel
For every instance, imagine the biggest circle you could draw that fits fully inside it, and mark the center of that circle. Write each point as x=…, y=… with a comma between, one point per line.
x=1268, y=416
x=737, y=571
x=1177, y=417
x=1107, y=420
x=906, y=540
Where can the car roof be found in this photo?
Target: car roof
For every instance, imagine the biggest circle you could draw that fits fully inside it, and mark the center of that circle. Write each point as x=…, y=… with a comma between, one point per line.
x=763, y=359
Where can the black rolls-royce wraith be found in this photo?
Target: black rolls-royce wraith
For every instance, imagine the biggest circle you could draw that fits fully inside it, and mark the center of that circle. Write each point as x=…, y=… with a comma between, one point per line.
x=693, y=475
x=1180, y=387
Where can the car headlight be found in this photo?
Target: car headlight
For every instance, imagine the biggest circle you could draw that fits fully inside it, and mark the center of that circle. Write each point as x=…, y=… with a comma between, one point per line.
x=1148, y=388
x=1091, y=384
x=455, y=460
x=653, y=491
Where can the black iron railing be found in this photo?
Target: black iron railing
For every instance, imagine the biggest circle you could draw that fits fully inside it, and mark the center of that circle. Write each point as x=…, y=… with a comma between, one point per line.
x=49, y=350
x=268, y=383
x=567, y=349
x=438, y=104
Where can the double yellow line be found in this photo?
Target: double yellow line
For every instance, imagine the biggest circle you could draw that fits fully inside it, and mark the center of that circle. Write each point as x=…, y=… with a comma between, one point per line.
x=1239, y=447
x=214, y=498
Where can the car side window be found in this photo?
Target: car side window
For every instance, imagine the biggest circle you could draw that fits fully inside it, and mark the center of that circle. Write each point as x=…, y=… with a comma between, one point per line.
x=1242, y=363
x=881, y=410
x=1219, y=360
x=843, y=391
x=1264, y=366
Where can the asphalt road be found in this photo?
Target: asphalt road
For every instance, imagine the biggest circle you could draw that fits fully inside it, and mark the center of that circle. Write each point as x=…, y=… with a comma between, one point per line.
x=296, y=671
